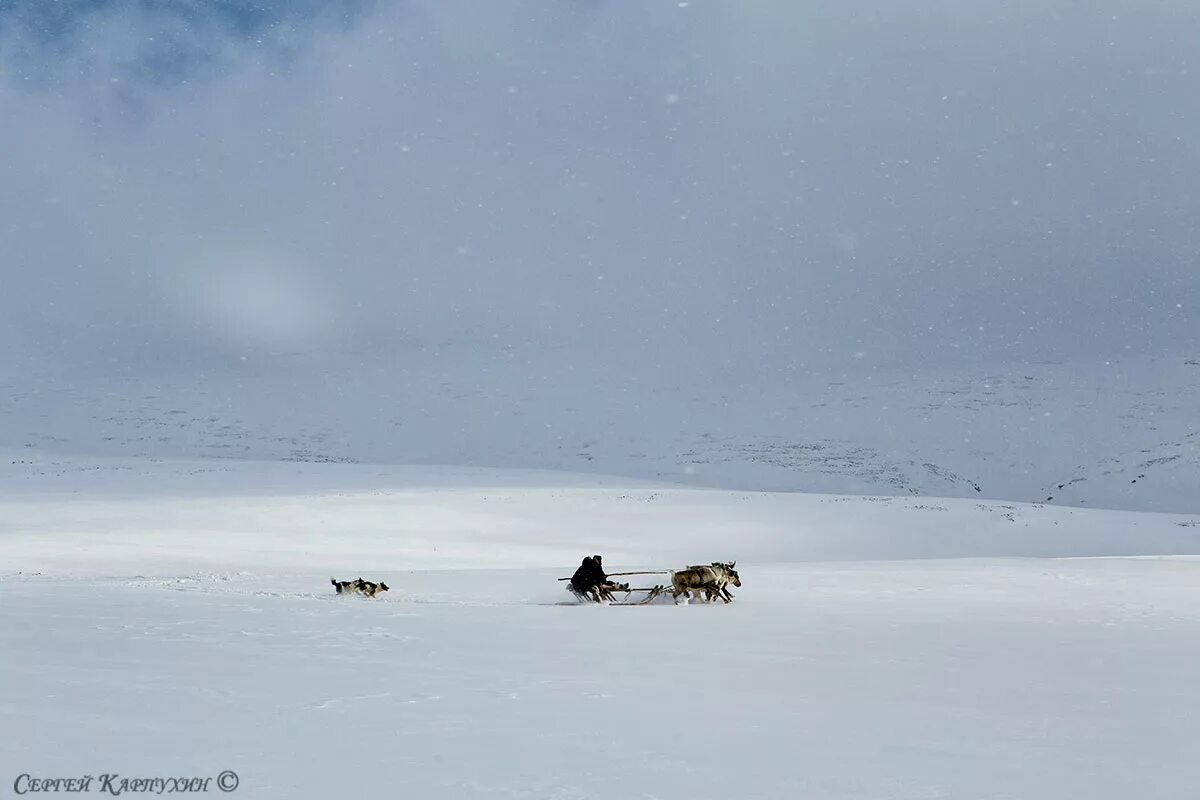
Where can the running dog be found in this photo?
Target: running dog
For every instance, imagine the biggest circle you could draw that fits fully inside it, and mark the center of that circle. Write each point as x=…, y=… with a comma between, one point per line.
x=348, y=587
x=372, y=589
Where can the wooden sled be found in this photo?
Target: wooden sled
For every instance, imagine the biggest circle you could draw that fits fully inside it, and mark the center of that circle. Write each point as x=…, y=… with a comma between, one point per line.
x=608, y=596
x=651, y=593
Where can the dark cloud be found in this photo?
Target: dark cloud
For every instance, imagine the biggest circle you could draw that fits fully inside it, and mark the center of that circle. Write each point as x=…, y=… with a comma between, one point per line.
x=781, y=186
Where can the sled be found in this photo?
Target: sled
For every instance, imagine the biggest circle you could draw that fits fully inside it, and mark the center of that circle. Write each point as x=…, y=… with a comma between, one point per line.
x=651, y=593
x=608, y=597
x=710, y=590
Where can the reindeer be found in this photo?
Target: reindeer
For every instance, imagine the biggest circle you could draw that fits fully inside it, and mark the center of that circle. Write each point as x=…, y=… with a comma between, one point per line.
x=712, y=580
x=726, y=574
x=699, y=579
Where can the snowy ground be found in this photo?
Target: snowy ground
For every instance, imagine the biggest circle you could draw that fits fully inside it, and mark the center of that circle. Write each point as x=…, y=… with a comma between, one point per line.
x=176, y=618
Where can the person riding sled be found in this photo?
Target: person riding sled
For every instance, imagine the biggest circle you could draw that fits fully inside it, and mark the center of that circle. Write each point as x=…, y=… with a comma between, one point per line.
x=591, y=582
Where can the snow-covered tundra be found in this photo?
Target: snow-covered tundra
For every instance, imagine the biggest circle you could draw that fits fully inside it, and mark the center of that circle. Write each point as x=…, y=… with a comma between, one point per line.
x=175, y=619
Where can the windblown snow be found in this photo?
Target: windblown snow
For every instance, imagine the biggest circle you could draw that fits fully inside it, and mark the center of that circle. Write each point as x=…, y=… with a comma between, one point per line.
x=166, y=618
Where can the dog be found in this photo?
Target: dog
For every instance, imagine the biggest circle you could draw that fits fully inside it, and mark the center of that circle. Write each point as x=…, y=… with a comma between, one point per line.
x=372, y=589
x=348, y=587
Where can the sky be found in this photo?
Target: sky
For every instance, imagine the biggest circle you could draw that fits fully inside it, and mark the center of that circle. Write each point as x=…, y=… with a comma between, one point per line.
x=793, y=187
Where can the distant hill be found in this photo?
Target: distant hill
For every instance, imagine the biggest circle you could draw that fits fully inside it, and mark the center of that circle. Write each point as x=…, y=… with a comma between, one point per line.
x=1120, y=434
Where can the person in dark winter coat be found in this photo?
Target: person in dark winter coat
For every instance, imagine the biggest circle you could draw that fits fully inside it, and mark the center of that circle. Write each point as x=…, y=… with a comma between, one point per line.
x=589, y=580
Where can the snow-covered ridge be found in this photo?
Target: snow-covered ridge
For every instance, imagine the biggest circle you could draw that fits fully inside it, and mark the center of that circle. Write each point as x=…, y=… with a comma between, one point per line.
x=1119, y=434
x=103, y=516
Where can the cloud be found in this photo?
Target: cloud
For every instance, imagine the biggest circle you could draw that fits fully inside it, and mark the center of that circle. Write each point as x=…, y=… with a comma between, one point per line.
x=653, y=184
